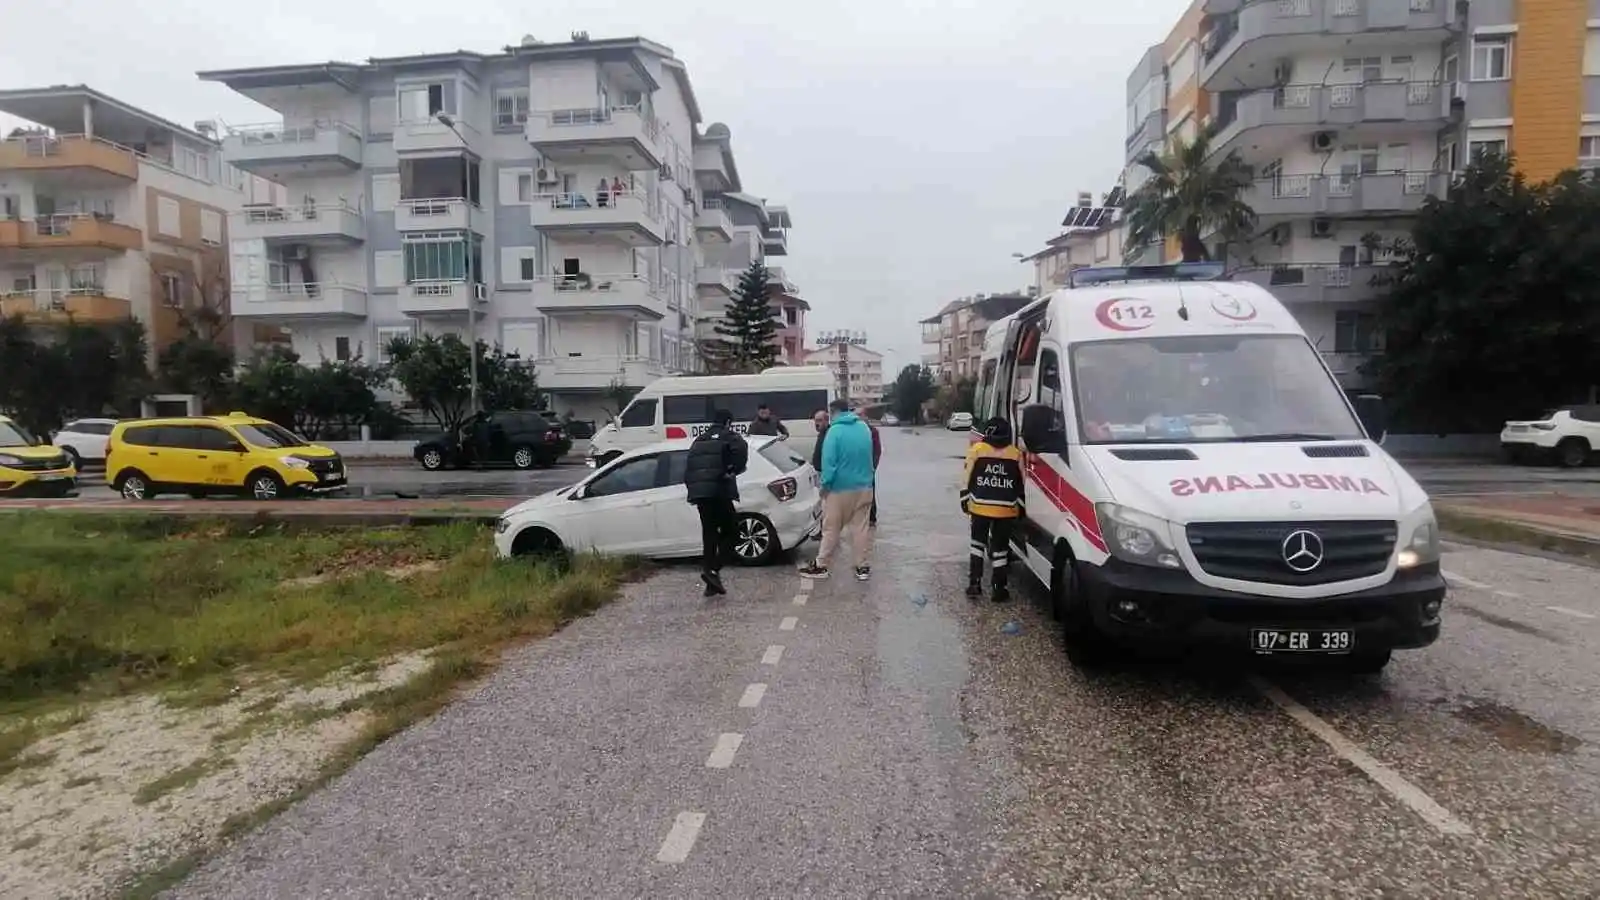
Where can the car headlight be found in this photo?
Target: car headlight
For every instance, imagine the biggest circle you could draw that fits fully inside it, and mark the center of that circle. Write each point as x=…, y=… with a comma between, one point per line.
x=7, y=459
x=1137, y=537
x=1421, y=546
x=501, y=525
x=295, y=462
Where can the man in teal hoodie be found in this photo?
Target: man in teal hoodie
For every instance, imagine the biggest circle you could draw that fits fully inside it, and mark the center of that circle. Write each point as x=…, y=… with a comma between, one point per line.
x=847, y=478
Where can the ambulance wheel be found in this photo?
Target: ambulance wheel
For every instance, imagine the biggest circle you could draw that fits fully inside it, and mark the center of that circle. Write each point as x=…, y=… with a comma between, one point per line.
x=1087, y=648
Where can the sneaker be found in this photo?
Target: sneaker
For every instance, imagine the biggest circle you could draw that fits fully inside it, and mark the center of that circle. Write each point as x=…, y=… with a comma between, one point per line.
x=974, y=590
x=812, y=570
x=863, y=573
x=713, y=582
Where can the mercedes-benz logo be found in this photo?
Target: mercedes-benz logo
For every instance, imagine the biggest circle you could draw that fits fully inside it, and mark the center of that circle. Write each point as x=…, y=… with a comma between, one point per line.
x=1302, y=550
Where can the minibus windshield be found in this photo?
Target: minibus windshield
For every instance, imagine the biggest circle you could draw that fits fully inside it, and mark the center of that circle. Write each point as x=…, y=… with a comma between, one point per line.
x=1207, y=388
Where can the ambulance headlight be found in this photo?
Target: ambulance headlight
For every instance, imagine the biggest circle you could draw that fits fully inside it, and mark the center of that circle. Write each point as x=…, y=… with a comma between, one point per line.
x=1136, y=537
x=1419, y=539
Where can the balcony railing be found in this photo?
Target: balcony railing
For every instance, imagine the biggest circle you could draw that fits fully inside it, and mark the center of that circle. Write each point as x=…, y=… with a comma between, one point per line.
x=437, y=214
x=289, y=301
x=560, y=118
x=267, y=148
x=302, y=222
x=68, y=151
x=277, y=134
x=84, y=301
x=70, y=230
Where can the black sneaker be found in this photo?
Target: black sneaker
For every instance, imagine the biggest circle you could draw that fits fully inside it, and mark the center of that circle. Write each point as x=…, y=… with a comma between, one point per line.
x=812, y=570
x=1000, y=595
x=863, y=573
x=713, y=582
x=974, y=590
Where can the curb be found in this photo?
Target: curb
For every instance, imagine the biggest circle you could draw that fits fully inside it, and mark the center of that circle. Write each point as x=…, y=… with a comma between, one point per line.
x=317, y=518
x=1481, y=528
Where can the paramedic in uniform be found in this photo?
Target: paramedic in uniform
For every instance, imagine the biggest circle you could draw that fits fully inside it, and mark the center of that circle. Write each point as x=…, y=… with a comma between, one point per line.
x=992, y=496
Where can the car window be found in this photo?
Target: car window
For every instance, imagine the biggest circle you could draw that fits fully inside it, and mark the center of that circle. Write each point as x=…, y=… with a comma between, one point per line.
x=685, y=410
x=206, y=437
x=677, y=466
x=268, y=435
x=638, y=474
x=794, y=405
x=167, y=436
x=98, y=428
x=779, y=454
x=639, y=414
x=140, y=436
x=12, y=435
x=1586, y=413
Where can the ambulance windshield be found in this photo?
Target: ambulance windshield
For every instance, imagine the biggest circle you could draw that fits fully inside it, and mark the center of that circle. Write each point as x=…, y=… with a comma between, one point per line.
x=1207, y=388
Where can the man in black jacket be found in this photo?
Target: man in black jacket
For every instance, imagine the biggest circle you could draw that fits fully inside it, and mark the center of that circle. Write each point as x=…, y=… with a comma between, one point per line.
x=716, y=458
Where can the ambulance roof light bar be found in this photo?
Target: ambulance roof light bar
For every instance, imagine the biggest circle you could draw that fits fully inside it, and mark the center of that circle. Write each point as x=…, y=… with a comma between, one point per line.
x=1188, y=271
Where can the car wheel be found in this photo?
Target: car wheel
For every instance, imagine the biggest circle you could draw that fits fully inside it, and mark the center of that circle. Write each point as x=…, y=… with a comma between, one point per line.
x=264, y=485
x=538, y=544
x=432, y=460
x=133, y=486
x=74, y=458
x=1573, y=453
x=755, y=541
x=523, y=457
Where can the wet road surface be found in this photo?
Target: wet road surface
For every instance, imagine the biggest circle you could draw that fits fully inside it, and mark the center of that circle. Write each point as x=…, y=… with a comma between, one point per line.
x=893, y=739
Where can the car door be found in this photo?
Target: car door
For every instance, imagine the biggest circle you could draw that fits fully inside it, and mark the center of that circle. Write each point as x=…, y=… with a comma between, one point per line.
x=221, y=455
x=616, y=512
x=184, y=459
x=677, y=521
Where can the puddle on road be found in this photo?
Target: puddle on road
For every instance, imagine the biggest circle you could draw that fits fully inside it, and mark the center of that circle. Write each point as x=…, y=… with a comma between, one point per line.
x=1514, y=730
x=1503, y=622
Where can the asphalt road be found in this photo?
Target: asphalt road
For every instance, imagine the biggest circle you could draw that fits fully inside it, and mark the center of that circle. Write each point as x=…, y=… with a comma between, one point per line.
x=893, y=739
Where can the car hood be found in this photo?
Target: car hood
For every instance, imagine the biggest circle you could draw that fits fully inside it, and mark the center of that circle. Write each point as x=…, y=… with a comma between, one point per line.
x=33, y=452
x=1263, y=482
x=311, y=451
x=541, y=502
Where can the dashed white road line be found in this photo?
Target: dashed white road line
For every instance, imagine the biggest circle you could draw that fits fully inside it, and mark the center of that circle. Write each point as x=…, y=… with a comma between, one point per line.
x=788, y=623
x=1513, y=595
x=773, y=654
x=752, y=695
x=722, y=753
x=806, y=585
x=1462, y=579
x=1388, y=779
x=799, y=599
x=1576, y=614
x=680, y=840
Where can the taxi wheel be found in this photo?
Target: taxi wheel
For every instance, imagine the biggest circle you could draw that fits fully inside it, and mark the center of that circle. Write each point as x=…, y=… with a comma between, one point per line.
x=264, y=485
x=523, y=458
x=755, y=541
x=133, y=485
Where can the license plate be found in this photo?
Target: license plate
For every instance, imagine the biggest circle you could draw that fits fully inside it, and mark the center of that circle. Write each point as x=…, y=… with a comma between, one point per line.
x=1283, y=640
x=52, y=478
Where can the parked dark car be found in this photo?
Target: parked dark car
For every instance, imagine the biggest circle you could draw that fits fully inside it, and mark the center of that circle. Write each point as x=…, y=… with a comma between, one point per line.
x=521, y=439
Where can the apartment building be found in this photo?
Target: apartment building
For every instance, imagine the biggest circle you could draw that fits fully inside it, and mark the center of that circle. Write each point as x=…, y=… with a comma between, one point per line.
x=863, y=367
x=557, y=198
x=756, y=231
x=109, y=212
x=1091, y=236
x=952, y=338
x=1353, y=113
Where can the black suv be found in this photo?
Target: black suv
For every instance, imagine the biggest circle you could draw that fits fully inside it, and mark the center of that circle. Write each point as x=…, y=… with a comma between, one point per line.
x=522, y=439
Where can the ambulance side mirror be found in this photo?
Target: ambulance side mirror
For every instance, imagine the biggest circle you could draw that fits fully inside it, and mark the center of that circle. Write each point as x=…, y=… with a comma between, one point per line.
x=1040, y=431
x=1374, y=416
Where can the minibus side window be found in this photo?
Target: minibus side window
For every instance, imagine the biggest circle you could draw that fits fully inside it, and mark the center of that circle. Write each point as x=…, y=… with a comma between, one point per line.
x=796, y=405
x=984, y=402
x=689, y=409
x=639, y=414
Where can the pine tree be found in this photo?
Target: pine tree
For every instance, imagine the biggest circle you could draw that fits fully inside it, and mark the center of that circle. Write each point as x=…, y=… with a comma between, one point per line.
x=749, y=326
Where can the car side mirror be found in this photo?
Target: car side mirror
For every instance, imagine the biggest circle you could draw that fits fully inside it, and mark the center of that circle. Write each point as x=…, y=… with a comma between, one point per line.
x=237, y=447
x=1041, y=431
x=579, y=492
x=1374, y=416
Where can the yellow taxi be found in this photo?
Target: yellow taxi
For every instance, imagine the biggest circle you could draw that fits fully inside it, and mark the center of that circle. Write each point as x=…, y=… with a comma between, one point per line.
x=203, y=455
x=29, y=468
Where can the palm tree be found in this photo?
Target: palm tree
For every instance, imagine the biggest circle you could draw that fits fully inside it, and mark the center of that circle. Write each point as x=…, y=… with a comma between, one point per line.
x=1189, y=195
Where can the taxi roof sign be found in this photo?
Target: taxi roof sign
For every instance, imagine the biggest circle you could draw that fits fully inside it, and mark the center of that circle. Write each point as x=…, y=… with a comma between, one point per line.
x=1189, y=271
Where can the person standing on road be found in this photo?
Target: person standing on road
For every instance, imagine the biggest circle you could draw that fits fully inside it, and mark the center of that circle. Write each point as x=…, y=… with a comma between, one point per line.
x=847, y=486
x=766, y=424
x=716, y=459
x=992, y=496
x=877, y=454
x=819, y=419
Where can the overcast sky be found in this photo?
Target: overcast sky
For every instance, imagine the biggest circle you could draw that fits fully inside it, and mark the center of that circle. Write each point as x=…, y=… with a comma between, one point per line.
x=917, y=143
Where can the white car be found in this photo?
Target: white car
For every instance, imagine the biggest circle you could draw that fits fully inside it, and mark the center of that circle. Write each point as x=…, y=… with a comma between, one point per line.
x=85, y=440
x=1569, y=435
x=891, y=419
x=636, y=506
x=961, y=421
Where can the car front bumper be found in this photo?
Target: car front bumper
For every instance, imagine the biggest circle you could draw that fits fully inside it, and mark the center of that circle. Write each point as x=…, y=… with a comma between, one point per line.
x=1143, y=605
x=16, y=483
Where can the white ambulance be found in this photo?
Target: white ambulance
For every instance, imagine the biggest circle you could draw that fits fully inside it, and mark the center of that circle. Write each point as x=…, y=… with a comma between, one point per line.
x=1196, y=476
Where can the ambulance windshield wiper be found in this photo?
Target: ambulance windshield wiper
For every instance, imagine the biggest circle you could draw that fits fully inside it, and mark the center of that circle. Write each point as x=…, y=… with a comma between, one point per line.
x=1284, y=436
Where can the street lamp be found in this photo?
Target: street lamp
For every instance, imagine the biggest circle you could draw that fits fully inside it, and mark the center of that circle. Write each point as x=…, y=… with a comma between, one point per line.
x=472, y=288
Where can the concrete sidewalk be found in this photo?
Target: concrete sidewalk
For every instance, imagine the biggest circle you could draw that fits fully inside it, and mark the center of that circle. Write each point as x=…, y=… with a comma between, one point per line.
x=328, y=511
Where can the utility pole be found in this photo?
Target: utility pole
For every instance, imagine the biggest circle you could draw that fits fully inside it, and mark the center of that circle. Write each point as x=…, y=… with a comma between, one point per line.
x=472, y=287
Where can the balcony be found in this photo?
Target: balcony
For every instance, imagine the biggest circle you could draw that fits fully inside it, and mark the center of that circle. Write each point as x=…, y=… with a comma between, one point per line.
x=441, y=298
x=278, y=152
x=328, y=300
x=300, y=224
x=1302, y=284
x=775, y=242
x=88, y=304
x=631, y=296
x=595, y=373
x=625, y=134
x=437, y=214
x=712, y=222
x=433, y=136
x=1279, y=116
x=717, y=280
x=70, y=155
x=626, y=218
x=80, y=231
x=1242, y=48
x=1379, y=193
x=1152, y=130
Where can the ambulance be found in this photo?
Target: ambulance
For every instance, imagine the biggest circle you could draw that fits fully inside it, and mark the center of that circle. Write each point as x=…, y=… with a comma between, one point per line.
x=1196, y=478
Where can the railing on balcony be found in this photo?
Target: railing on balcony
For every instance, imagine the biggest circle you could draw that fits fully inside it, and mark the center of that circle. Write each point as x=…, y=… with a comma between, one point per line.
x=309, y=213
x=600, y=200
x=55, y=299
x=594, y=116
x=584, y=282
x=276, y=133
x=713, y=203
x=424, y=207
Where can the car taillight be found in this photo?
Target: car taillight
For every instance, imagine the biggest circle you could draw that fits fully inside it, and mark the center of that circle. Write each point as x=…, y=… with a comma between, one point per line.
x=553, y=434
x=1545, y=426
x=784, y=489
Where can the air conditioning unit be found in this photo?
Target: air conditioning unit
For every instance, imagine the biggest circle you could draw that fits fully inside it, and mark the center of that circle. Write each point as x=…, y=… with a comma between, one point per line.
x=1322, y=228
x=1322, y=142
x=666, y=173
x=546, y=176
x=481, y=292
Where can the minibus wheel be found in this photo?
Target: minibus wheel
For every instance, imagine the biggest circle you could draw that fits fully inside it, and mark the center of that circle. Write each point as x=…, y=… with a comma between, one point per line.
x=1085, y=645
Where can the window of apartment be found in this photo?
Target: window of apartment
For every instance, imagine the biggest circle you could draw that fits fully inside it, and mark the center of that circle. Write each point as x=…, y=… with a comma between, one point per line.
x=169, y=221
x=510, y=108
x=1491, y=57
x=422, y=102
x=341, y=349
x=1591, y=53
x=1451, y=69
x=380, y=114
x=172, y=290
x=1495, y=147
x=193, y=163
x=1589, y=148
x=211, y=227
x=1356, y=332
x=441, y=256
x=388, y=335
x=86, y=276
x=524, y=188
x=1369, y=67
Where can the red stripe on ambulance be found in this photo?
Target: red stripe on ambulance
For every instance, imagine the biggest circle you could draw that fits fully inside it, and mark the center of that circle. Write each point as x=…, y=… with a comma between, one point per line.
x=1068, y=499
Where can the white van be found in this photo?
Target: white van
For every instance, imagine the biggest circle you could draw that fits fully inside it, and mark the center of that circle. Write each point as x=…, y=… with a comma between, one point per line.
x=1196, y=476
x=681, y=406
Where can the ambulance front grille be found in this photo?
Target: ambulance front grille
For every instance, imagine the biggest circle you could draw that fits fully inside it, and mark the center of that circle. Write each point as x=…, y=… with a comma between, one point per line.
x=1255, y=551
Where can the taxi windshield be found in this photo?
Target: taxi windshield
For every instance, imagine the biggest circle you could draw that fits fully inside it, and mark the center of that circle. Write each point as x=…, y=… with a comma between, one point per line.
x=13, y=435
x=1207, y=388
x=269, y=436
